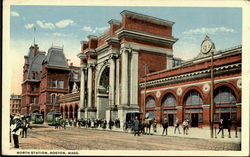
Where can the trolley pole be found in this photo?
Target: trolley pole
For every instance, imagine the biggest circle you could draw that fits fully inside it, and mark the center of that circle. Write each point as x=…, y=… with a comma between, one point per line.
x=212, y=94
x=145, y=68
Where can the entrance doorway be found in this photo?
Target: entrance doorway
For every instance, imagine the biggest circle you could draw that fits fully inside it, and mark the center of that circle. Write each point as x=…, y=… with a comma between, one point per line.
x=171, y=119
x=225, y=116
x=194, y=120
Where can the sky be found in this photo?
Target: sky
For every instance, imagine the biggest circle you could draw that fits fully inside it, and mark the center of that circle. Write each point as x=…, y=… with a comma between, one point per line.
x=68, y=25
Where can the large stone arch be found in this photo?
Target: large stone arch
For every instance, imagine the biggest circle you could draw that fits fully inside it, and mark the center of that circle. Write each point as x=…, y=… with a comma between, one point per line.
x=102, y=96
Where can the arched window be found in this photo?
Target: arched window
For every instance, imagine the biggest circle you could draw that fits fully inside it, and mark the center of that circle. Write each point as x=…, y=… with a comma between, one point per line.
x=224, y=95
x=168, y=100
x=193, y=98
x=150, y=102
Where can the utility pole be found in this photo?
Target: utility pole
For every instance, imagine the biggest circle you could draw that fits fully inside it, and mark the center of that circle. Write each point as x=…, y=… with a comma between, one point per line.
x=212, y=94
x=145, y=68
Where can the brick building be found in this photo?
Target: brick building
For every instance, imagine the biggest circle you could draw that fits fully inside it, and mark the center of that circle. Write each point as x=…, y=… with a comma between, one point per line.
x=45, y=78
x=15, y=104
x=113, y=75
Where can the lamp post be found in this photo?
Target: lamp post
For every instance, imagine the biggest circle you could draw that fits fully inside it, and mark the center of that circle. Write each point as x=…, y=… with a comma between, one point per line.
x=212, y=94
x=207, y=47
x=145, y=68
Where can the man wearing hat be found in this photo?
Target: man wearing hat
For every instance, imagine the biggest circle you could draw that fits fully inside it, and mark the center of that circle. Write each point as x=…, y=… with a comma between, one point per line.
x=15, y=130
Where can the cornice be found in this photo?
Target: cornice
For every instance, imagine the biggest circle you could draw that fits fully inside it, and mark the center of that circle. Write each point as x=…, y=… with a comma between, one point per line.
x=145, y=37
x=147, y=18
x=193, y=75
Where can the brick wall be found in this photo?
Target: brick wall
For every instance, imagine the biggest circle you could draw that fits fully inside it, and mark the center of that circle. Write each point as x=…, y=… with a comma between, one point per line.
x=155, y=62
x=147, y=27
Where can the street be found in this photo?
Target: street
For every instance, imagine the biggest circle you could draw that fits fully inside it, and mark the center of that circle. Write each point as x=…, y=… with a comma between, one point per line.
x=72, y=138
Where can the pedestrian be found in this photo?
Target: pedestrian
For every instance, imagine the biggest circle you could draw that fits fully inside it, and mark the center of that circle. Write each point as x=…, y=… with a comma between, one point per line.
x=185, y=127
x=165, y=126
x=11, y=123
x=155, y=125
x=221, y=128
x=26, y=125
x=177, y=126
x=229, y=125
x=118, y=123
x=110, y=124
x=104, y=124
x=136, y=126
x=15, y=130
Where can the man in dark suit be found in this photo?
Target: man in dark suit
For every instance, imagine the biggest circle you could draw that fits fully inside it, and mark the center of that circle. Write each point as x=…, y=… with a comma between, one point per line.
x=165, y=126
x=136, y=125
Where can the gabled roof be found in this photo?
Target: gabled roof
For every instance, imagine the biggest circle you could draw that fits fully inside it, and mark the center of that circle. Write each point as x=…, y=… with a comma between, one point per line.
x=56, y=58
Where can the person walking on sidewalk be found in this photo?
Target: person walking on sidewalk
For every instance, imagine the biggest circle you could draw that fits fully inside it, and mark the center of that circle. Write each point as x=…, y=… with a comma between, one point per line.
x=229, y=125
x=177, y=126
x=136, y=126
x=221, y=129
x=185, y=127
x=165, y=126
x=155, y=125
x=15, y=130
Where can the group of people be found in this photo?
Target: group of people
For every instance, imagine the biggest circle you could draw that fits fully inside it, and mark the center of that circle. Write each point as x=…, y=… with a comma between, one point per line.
x=98, y=123
x=18, y=126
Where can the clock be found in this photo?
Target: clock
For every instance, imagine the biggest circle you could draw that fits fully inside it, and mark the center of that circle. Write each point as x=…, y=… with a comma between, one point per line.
x=206, y=46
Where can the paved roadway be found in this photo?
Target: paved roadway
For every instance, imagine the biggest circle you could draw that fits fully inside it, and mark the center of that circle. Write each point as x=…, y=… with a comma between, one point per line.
x=46, y=137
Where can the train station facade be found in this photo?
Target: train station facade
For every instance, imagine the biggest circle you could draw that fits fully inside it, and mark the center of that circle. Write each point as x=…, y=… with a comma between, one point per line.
x=131, y=68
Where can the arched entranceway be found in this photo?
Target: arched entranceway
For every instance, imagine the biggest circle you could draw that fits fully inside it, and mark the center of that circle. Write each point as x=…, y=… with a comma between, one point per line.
x=193, y=107
x=225, y=104
x=150, y=107
x=169, y=108
x=76, y=112
x=62, y=111
x=103, y=93
x=70, y=112
x=66, y=112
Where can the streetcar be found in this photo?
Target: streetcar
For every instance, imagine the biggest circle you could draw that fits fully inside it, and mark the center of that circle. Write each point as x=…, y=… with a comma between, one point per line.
x=35, y=118
x=52, y=116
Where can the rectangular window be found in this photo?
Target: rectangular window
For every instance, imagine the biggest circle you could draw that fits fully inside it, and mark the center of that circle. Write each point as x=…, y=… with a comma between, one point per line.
x=60, y=84
x=53, y=84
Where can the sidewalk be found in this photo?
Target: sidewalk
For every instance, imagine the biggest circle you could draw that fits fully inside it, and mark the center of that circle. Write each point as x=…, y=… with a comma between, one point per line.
x=199, y=133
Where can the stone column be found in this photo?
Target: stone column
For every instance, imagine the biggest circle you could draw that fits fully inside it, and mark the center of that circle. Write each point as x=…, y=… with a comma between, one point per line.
x=124, y=77
x=111, y=82
x=117, y=96
x=90, y=86
x=82, y=95
x=134, y=80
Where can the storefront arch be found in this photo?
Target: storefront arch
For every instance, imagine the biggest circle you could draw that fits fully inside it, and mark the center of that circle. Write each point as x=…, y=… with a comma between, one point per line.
x=150, y=107
x=168, y=106
x=193, y=110
x=225, y=101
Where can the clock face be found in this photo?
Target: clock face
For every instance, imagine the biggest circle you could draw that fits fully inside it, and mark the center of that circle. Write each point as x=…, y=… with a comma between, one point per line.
x=206, y=46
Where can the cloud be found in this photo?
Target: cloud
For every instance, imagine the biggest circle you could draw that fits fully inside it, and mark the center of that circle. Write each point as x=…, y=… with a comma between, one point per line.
x=94, y=30
x=29, y=26
x=64, y=23
x=44, y=25
x=59, y=34
x=14, y=13
x=208, y=30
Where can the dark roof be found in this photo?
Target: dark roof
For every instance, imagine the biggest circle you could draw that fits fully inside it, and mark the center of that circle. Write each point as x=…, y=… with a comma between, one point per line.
x=56, y=58
x=36, y=65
